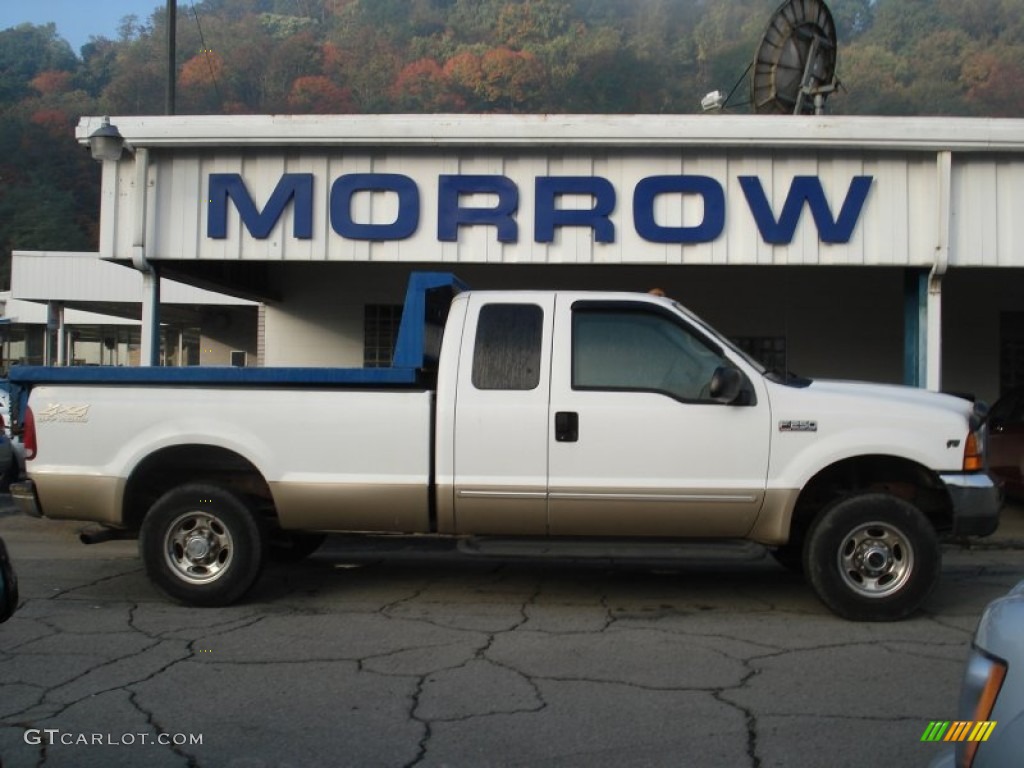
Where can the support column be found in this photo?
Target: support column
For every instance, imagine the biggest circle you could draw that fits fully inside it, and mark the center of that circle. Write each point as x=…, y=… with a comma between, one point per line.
x=150, y=352
x=54, y=342
x=915, y=326
x=933, y=355
x=943, y=253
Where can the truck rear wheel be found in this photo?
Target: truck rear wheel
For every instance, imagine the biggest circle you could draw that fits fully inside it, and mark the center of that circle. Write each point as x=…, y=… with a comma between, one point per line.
x=202, y=545
x=872, y=557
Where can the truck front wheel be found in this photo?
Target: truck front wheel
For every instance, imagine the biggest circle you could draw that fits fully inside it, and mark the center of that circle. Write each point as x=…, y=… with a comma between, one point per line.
x=872, y=557
x=202, y=545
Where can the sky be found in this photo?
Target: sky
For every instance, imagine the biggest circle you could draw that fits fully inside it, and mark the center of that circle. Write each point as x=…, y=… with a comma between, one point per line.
x=78, y=20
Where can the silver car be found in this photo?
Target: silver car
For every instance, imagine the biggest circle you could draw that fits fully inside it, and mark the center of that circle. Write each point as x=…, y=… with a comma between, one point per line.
x=989, y=731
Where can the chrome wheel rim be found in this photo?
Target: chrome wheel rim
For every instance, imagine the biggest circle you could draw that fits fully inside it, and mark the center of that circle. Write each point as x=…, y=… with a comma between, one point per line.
x=876, y=560
x=198, y=547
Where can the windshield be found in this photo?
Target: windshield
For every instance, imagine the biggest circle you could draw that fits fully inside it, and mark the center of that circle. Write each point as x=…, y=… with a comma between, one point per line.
x=781, y=377
x=721, y=338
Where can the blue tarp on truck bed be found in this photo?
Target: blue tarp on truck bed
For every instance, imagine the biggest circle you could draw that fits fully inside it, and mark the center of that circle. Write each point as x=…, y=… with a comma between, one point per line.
x=215, y=376
x=427, y=299
x=426, y=309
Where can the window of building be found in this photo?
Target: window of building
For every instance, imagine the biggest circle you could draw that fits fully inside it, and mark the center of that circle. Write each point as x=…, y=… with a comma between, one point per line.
x=770, y=351
x=625, y=349
x=1011, y=350
x=508, y=347
x=380, y=332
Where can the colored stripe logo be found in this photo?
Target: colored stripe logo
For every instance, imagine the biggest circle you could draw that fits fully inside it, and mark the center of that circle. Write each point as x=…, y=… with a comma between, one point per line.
x=959, y=730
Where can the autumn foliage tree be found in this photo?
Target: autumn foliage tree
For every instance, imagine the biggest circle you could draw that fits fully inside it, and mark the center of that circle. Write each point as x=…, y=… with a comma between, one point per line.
x=896, y=57
x=425, y=86
x=198, y=82
x=994, y=82
x=317, y=94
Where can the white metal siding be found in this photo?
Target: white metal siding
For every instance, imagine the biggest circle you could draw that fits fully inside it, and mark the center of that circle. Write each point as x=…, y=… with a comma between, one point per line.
x=84, y=277
x=987, y=202
x=897, y=227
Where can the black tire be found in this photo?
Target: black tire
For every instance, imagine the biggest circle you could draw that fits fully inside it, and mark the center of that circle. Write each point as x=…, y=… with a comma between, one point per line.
x=8, y=585
x=202, y=545
x=872, y=557
x=790, y=556
x=293, y=546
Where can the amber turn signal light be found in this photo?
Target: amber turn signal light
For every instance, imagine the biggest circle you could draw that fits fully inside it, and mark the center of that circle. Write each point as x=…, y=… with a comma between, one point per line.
x=973, y=459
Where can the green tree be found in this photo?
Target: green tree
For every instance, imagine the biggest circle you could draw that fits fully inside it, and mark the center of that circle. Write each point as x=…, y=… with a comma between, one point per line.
x=852, y=18
x=874, y=81
x=27, y=50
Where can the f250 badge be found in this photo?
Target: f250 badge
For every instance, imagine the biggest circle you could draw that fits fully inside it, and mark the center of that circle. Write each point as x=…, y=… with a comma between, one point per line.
x=74, y=414
x=800, y=425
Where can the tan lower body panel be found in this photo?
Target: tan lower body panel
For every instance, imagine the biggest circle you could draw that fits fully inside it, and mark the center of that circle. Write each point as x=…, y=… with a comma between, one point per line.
x=760, y=516
x=501, y=511
x=772, y=527
x=96, y=498
x=352, y=507
x=641, y=512
x=585, y=512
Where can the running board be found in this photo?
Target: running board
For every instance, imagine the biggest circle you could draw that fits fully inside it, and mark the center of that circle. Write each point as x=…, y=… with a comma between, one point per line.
x=715, y=550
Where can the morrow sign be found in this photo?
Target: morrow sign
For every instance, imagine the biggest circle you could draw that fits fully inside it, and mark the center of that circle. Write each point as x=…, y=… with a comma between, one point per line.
x=458, y=206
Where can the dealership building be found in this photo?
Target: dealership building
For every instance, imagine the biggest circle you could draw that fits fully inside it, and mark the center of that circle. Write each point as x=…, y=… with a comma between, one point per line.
x=69, y=308
x=886, y=249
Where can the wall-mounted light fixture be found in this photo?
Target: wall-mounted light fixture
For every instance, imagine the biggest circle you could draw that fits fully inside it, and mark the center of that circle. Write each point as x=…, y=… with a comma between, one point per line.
x=106, y=142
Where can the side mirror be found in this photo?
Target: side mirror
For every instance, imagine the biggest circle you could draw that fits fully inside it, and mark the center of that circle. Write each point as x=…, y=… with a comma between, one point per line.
x=726, y=385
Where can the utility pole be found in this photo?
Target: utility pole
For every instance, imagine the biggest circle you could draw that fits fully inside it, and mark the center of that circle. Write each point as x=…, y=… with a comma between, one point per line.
x=172, y=74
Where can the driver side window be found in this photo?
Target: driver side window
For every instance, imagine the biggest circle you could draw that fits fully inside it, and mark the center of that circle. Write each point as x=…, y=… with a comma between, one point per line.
x=640, y=350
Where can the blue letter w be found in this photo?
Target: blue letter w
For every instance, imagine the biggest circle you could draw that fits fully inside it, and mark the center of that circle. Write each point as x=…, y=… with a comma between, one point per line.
x=806, y=189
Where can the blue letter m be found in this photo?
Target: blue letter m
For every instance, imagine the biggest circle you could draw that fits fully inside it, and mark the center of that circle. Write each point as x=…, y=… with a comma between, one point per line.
x=260, y=223
x=806, y=189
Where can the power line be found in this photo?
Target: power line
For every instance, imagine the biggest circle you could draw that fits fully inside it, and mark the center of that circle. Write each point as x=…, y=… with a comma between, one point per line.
x=207, y=52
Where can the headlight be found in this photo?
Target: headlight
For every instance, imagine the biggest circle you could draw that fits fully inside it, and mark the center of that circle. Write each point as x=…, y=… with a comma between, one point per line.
x=982, y=680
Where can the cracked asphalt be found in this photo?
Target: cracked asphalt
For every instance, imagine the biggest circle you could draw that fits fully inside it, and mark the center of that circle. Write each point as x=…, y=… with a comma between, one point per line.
x=430, y=657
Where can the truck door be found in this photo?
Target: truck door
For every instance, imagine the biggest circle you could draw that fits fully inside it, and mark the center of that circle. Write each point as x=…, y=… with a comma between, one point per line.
x=501, y=436
x=638, y=447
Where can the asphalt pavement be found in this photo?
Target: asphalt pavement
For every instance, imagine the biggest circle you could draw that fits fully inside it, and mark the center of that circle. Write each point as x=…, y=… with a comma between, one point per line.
x=428, y=656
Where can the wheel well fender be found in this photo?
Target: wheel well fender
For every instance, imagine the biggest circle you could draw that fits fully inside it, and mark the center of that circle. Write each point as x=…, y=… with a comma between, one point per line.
x=895, y=475
x=175, y=465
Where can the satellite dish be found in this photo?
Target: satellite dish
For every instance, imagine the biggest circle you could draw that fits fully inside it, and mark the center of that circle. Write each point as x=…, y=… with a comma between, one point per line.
x=795, y=63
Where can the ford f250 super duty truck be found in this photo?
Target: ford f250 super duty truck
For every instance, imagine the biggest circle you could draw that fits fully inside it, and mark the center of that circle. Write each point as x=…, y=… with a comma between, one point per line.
x=541, y=416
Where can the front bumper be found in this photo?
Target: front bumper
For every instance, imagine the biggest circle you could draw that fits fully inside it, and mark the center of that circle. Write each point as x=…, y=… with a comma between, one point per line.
x=976, y=503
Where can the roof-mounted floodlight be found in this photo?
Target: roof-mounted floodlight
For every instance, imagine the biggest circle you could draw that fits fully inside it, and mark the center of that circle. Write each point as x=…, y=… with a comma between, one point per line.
x=106, y=142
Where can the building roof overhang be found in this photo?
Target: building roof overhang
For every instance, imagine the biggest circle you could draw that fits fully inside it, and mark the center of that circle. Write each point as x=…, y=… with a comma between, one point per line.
x=805, y=132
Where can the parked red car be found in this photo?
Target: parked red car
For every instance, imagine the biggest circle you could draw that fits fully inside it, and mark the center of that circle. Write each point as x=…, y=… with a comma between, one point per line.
x=1006, y=442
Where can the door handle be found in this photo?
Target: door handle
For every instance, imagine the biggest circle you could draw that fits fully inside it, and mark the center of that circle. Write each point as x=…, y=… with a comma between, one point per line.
x=567, y=426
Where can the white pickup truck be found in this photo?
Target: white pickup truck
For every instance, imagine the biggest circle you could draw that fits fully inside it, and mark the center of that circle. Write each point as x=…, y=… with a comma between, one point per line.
x=543, y=416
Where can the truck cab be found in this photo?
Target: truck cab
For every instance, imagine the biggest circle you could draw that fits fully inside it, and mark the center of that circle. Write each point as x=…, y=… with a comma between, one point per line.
x=575, y=414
